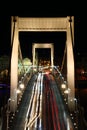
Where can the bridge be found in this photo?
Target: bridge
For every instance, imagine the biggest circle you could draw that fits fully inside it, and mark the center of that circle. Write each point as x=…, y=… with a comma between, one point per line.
x=42, y=98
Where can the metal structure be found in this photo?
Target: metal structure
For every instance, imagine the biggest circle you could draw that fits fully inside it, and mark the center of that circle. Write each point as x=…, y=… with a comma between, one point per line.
x=42, y=24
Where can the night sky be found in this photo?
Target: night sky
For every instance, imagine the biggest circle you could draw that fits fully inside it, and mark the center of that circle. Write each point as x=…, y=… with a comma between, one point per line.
x=58, y=38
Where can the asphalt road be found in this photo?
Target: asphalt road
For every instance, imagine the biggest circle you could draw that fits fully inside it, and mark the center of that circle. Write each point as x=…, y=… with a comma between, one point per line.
x=42, y=107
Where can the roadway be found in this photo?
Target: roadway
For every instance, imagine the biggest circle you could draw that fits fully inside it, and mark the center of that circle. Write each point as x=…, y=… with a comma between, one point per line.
x=42, y=107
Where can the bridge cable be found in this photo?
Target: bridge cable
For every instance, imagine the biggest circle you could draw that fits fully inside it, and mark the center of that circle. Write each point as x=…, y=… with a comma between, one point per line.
x=19, y=48
x=63, y=59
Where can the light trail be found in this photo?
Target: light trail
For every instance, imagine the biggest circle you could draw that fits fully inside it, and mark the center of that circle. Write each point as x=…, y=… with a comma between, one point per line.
x=43, y=92
x=34, y=112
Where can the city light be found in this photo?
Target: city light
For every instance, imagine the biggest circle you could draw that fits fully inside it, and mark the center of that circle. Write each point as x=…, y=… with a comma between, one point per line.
x=63, y=86
x=21, y=86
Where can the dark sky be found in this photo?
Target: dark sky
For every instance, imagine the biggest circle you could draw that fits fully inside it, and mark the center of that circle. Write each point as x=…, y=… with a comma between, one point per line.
x=27, y=38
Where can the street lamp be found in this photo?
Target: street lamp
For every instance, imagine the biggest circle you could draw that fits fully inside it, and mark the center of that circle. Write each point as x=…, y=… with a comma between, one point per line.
x=8, y=111
x=21, y=86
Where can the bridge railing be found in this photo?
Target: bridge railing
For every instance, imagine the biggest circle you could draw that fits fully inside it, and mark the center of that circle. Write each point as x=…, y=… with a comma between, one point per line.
x=22, y=83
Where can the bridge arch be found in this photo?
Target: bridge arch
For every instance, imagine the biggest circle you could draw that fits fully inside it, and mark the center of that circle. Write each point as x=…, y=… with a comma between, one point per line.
x=42, y=24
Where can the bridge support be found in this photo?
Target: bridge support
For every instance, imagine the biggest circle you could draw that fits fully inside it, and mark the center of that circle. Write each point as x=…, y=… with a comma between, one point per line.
x=14, y=66
x=70, y=64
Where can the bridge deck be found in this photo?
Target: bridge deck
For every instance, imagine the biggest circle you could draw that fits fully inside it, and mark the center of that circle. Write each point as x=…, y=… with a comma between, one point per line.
x=54, y=113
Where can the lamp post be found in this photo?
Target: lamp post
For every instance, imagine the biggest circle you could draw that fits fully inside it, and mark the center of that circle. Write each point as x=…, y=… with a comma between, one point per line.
x=8, y=111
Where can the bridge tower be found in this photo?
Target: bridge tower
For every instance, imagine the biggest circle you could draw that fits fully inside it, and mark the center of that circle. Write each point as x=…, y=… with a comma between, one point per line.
x=44, y=45
x=65, y=24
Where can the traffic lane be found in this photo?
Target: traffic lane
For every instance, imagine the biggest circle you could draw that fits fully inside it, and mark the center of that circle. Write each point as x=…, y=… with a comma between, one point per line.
x=19, y=121
x=53, y=107
x=46, y=106
x=63, y=114
x=50, y=108
x=34, y=113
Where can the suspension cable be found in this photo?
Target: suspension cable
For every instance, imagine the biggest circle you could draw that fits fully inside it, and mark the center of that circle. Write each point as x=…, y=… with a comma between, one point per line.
x=21, y=57
x=63, y=59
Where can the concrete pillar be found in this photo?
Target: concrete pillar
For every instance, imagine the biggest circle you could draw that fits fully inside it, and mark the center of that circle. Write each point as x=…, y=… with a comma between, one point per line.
x=33, y=53
x=14, y=69
x=70, y=69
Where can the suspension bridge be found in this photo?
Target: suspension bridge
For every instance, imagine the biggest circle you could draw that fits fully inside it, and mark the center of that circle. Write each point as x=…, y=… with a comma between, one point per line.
x=42, y=98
